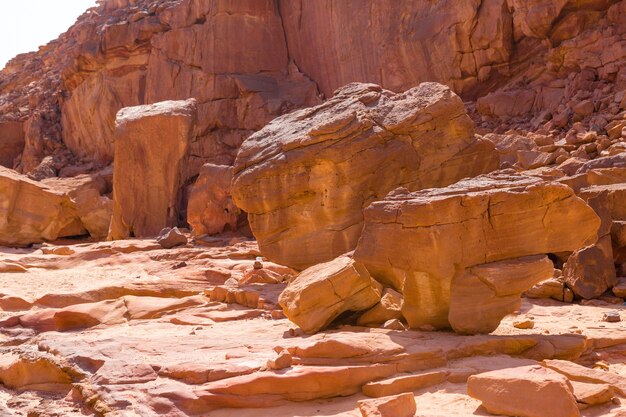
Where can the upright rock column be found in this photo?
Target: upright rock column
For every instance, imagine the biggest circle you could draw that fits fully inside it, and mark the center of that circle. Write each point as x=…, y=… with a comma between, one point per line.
x=151, y=148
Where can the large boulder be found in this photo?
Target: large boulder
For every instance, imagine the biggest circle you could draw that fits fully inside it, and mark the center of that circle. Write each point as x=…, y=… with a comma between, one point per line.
x=321, y=293
x=151, y=150
x=305, y=178
x=525, y=391
x=590, y=271
x=88, y=192
x=31, y=212
x=428, y=244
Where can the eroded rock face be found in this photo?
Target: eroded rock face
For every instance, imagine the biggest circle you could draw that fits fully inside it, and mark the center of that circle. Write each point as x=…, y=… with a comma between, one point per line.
x=31, y=212
x=483, y=294
x=305, y=178
x=11, y=142
x=152, y=145
x=424, y=243
x=211, y=209
x=321, y=293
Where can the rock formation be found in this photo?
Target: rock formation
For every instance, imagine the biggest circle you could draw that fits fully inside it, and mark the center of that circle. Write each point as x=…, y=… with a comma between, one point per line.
x=306, y=177
x=151, y=147
x=445, y=246
x=321, y=293
x=30, y=212
x=153, y=117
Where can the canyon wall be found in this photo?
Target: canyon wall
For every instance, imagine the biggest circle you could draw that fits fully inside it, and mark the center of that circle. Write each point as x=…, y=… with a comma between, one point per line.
x=249, y=61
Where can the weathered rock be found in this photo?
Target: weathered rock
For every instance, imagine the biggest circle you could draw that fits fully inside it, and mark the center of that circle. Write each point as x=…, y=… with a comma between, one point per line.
x=592, y=394
x=321, y=293
x=388, y=308
x=151, y=149
x=171, y=237
x=31, y=371
x=620, y=288
x=527, y=391
x=551, y=288
x=423, y=243
x=404, y=383
x=385, y=51
x=31, y=212
x=482, y=295
x=507, y=146
x=211, y=209
x=305, y=178
x=580, y=373
x=590, y=271
x=93, y=208
x=612, y=317
x=402, y=405
x=282, y=361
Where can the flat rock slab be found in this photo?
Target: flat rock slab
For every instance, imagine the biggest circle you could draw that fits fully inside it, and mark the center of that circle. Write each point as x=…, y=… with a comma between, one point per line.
x=528, y=391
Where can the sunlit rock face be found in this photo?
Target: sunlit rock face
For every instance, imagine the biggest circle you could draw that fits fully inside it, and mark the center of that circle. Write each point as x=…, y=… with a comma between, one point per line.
x=151, y=148
x=305, y=179
x=460, y=254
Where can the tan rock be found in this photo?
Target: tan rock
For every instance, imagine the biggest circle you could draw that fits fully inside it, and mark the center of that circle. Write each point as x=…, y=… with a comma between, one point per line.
x=580, y=373
x=592, y=394
x=509, y=145
x=484, y=294
x=151, y=152
x=325, y=161
x=388, y=308
x=620, y=288
x=422, y=243
x=402, y=405
x=404, y=383
x=527, y=391
x=590, y=271
x=321, y=293
x=31, y=371
x=93, y=207
x=171, y=237
x=524, y=324
x=551, y=288
x=31, y=212
x=211, y=209
x=282, y=361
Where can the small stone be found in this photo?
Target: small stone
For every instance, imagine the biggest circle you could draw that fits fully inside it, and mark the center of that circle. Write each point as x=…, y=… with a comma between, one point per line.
x=524, y=324
x=611, y=317
x=393, y=324
x=169, y=238
x=402, y=405
x=584, y=108
x=258, y=265
x=282, y=361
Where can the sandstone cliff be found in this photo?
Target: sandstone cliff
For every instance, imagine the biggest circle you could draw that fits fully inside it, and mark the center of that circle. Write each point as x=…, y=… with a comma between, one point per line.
x=249, y=61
